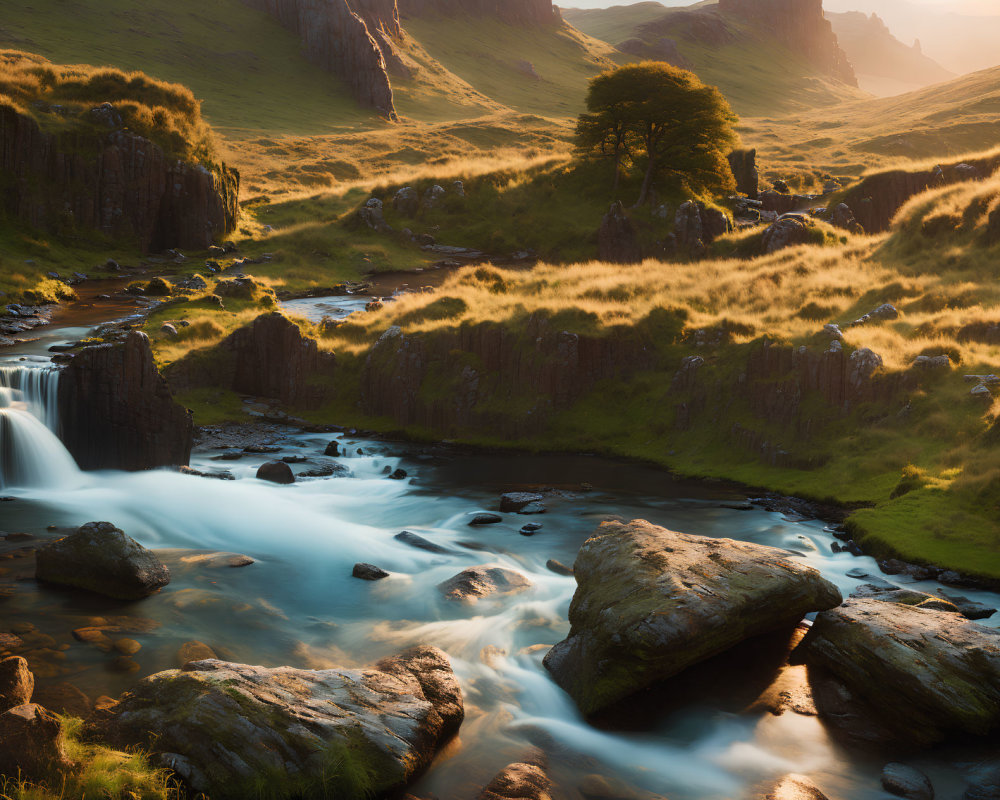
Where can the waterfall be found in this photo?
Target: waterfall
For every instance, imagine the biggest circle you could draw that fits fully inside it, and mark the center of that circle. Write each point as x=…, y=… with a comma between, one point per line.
x=30, y=451
x=37, y=387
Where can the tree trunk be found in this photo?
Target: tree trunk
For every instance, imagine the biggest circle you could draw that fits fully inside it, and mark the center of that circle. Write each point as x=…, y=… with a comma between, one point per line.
x=647, y=183
x=618, y=173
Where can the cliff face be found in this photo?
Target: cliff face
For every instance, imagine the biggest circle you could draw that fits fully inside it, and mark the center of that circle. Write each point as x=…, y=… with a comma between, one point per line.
x=513, y=12
x=337, y=35
x=117, y=412
x=267, y=358
x=116, y=182
x=800, y=26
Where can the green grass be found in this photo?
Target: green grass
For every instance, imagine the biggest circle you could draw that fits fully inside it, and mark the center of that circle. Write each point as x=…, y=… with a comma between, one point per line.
x=101, y=773
x=248, y=70
x=492, y=58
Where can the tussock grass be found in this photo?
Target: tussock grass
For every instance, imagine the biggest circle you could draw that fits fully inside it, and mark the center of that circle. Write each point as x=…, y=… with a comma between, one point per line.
x=101, y=773
x=166, y=113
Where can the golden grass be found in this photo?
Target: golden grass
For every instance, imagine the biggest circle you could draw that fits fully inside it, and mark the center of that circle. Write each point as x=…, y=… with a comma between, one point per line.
x=167, y=113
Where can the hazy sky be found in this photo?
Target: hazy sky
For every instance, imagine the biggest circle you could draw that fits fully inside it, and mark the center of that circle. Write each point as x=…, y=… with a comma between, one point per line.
x=991, y=7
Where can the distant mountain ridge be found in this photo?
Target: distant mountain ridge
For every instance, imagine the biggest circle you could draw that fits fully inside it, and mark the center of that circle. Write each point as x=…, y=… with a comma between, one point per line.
x=884, y=65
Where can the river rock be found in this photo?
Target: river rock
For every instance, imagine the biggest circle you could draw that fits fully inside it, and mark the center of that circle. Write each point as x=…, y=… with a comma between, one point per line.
x=792, y=787
x=905, y=781
x=195, y=651
x=984, y=784
x=970, y=609
x=100, y=558
x=475, y=582
x=485, y=519
x=234, y=731
x=413, y=540
x=926, y=675
x=558, y=568
x=276, y=472
x=31, y=742
x=16, y=683
x=525, y=780
x=369, y=572
x=513, y=502
x=651, y=602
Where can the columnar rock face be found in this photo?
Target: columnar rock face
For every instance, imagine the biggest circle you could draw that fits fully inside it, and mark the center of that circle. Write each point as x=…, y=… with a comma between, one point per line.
x=117, y=183
x=652, y=602
x=484, y=375
x=234, y=731
x=268, y=358
x=744, y=166
x=799, y=25
x=337, y=35
x=514, y=12
x=116, y=410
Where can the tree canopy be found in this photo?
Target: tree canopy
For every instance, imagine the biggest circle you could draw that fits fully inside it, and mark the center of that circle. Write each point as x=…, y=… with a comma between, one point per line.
x=663, y=120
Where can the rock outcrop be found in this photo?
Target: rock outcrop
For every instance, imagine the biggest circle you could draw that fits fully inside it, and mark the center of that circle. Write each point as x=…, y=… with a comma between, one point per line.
x=875, y=199
x=267, y=358
x=652, y=602
x=799, y=25
x=513, y=12
x=114, y=182
x=116, y=410
x=347, y=39
x=100, y=558
x=897, y=667
x=234, y=731
x=525, y=780
x=743, y=163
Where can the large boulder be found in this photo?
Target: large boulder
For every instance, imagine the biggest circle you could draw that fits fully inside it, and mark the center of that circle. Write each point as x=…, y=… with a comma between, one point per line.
x=31, y=743
x=235, y=731
x=926, y=675
x=16, y=683
x=651, y=602
x=100, y=558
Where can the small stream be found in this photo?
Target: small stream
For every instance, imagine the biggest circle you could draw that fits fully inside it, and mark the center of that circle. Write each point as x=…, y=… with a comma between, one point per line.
x=297, y=603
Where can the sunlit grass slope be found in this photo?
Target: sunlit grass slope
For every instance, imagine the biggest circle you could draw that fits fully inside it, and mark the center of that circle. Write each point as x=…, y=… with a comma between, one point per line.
x=937, y=123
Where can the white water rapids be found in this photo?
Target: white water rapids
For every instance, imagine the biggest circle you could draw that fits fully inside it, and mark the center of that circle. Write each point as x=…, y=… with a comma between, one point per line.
x=298, y=604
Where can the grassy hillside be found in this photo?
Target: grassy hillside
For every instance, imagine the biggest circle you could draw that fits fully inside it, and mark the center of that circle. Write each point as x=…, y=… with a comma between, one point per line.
x=246, y=68
x=540, y=71
x=757, y=75
x=936, y=123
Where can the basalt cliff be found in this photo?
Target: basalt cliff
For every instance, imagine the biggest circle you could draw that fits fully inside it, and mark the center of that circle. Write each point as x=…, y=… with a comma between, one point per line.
x=103, y=177
x=346, y=39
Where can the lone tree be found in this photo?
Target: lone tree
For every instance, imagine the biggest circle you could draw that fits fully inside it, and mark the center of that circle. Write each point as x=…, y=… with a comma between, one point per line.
x=664, y=120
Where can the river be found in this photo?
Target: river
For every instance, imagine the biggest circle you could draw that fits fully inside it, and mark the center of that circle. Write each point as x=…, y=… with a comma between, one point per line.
x=297, y=603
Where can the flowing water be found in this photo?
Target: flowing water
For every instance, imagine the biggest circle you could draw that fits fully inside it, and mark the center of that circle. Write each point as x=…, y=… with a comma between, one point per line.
x=298, y=604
